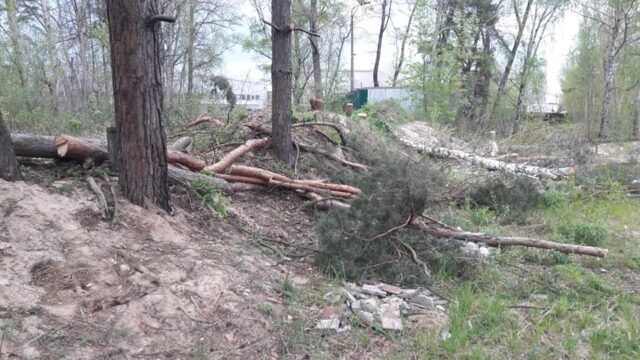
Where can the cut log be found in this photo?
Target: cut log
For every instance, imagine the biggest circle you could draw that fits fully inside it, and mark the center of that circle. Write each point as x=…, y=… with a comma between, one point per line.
x=293, y=184
x=189, y=161
x=490, y=164
x=242, y=179
x=38, y=146
x=347, y=108
x=324, y=204
x=333, y=187
x=235, y=154
x=269, y=176
x=499, y=241
x=337, y=190
x=81, y=149
x=248, y=171
x=205, y=119
x=182, y=144
x=73, y=148
x=316, y=104
x=186, y=177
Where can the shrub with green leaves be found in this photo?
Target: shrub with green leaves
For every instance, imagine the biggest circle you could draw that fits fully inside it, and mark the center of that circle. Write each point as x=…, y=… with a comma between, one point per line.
x=509, y=198
x=584, y=234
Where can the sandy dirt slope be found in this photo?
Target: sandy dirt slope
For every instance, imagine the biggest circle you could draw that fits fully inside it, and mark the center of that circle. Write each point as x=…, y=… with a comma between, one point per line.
x=149, y=285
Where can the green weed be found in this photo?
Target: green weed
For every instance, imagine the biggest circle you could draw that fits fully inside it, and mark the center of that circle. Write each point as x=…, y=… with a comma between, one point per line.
x=212, y=197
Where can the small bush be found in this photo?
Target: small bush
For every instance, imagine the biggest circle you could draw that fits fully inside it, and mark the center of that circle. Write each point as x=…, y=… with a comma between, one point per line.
x=482, y=216
x=555, y=199
x=509, y=198
x=584, y=234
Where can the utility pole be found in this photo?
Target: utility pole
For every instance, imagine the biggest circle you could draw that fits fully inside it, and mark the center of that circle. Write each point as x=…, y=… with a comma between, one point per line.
x=352, y=54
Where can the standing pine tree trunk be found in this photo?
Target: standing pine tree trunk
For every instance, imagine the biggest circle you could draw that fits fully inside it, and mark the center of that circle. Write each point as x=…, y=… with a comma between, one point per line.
x=636, y=119
x=281, y=80
x=134, y=31
x=522, y=23
x=610, y=68
x=315, y=50
x=9, y=169
x=17, y=56
x=384, y=21
x=405, y=37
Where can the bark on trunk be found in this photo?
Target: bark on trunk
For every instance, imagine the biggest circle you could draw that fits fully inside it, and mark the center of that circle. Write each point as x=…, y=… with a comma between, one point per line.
x=9, y=168
x=15, y=34
x=384, y=21
x=312, y=16
x=522, y=22
x=112, y=147
x=137, y=88
x=405, y=37
x=281, y=80
x=610, y=68
x=636, y=120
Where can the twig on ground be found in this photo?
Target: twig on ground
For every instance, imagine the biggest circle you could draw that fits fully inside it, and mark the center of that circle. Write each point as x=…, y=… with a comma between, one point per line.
x=295, y=165
x=50, y=332
x=113, y=194
x=104, y=209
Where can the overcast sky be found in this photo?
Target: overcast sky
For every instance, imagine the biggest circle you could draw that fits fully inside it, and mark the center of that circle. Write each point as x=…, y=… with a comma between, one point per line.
x=559, y=42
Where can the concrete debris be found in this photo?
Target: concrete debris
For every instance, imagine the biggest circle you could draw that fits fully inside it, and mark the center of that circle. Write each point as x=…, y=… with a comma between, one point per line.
x=474, y=249
x=423, y=301
x=381, y=305
x=391, y=289
x=373, y=290
x=390, y=317
x=366, y=318
x=329, y=324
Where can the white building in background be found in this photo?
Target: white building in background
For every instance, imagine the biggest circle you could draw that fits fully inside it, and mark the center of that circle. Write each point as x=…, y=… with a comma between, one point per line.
x=251, y=95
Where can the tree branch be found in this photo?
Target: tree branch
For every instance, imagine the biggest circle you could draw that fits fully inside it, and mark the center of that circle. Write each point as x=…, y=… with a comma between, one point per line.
x=289, y=28
x=157, y=18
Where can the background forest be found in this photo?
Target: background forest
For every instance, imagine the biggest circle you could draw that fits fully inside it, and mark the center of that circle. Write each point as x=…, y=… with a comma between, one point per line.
x=472, y=65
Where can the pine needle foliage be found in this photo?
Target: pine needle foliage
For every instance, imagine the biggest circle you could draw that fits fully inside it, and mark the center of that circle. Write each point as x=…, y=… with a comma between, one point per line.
x=362, y=243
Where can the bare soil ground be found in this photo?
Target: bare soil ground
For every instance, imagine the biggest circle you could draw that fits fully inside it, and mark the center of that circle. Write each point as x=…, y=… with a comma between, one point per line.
x=148, y=285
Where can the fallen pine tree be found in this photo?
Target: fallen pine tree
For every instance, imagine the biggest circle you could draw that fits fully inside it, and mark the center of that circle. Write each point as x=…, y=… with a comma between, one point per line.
x=441, y=230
